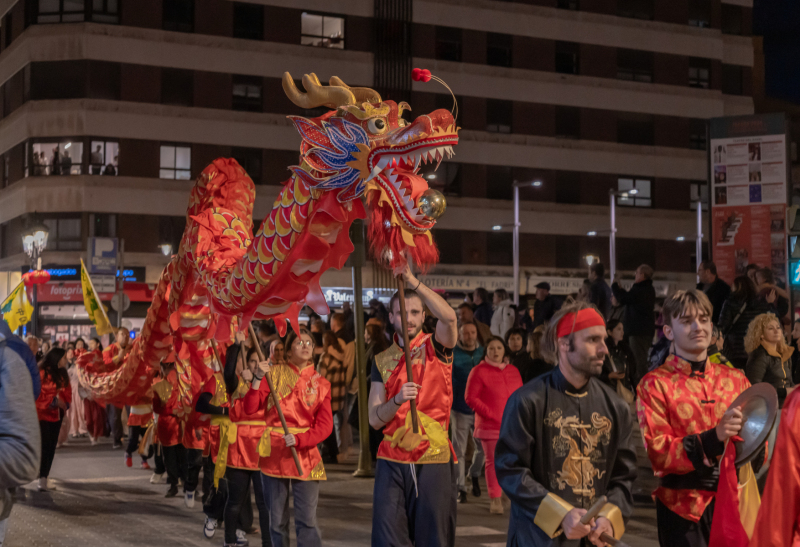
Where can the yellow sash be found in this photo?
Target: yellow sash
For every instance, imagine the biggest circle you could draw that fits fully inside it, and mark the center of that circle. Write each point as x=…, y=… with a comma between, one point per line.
x=265, y=444
x=228, y=433
x=432, y=432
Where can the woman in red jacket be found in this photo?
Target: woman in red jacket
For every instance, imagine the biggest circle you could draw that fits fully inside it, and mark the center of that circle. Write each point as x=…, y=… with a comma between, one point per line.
x=489, y=386
x=52, y=404
x=305, y=398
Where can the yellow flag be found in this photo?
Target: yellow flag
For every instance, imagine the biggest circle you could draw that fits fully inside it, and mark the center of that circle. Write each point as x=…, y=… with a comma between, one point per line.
x=16, y=309
x=95, y=309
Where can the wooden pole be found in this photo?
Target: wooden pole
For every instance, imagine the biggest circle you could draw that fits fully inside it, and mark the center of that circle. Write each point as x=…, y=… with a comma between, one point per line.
x=216, y=355
x=407, y=349
x=275, y=401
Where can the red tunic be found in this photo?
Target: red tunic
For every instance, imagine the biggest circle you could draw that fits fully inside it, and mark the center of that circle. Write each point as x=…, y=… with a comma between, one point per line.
x=243, y=454
x=110, y=353
x=44, y=403
x=674, y=403
x=432, y=369
x=168, y=427
x=141, y=413
x=488, y=390
x=219, y=397
x=305, y=398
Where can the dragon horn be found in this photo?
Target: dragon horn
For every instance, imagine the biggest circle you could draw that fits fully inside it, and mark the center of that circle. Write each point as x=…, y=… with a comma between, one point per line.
x=362, y=94
x=316, y=95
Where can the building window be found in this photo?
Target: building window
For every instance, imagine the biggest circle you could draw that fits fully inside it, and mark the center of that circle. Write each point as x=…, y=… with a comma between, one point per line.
x=57, y=158
x=635, y=129
x=567, y=57
x=568, y=122
x=634, y=65
x=251, y=161
x=6, y=169
x=448, y=44
x=176, y=162
x=177, y=87
x=732, y=79
x=700, y=13
x=498, y=116
x=568, y=4
x=697, y=134
x=248, y=21
x=60, y=11
x=499, y=182
x=8, y=29
x=643, y=196
x=498, y=49
x=731, y=19
x=64, y=235
x=178, y=15
x=322, y=30
x=247, y=93
x=105, y=11
x=104, y=158
x=699, y=72
x=568, y=187
x=446, y=179
x=637, y=9
x=698, y=191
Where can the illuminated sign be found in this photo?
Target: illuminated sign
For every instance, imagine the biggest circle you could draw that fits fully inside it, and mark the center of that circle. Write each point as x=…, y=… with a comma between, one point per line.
x=794, y=271
x=62, y=272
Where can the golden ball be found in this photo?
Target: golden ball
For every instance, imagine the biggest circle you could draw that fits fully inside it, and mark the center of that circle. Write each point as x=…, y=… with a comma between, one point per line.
x=432, y=203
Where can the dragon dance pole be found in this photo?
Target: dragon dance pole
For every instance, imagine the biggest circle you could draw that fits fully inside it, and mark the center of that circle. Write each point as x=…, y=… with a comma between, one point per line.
x=407, y=349
x=275, y=401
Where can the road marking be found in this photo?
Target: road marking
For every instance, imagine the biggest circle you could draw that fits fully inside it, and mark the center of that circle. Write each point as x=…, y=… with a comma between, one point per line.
x=363, y=505
x=493, y=544
x=465, y=531
x=103, y=479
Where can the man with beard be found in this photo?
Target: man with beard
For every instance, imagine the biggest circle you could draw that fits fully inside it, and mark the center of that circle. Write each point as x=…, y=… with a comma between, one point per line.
x=566, y=441
x=684, y=415
x=414, y=501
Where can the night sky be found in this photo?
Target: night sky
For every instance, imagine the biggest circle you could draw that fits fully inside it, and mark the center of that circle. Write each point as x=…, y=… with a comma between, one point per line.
x=778, y=21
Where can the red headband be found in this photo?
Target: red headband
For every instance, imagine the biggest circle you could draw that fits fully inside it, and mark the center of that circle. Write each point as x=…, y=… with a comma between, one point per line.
x=571, y=323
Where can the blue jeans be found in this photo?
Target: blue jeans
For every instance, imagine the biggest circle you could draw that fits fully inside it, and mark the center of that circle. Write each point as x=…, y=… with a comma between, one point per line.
x=306, y=496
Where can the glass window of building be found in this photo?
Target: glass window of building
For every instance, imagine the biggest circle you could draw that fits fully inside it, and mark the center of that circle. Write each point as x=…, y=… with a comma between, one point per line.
x=248, y=21
x=176, y=162
x=568, y=4
x=105, y=11
x=642, y=197
x=635, y=65
x=499, y=115
x=247, y=93
x=57, y=158
x=322, y=30
x=698, y=192
x=60, y=11
x=178, y=15
x=634, y=128
x=448, y=44
x=568, y=122
x=697, y=134
x=498, y=49
x=699, y=72
x=731, y=19
x=700, y=13
x=567, y=58
x=64, y=235
x=637, y=9
x=104, y=158
x=177, y=87
x=732, y=79
x=251, y=161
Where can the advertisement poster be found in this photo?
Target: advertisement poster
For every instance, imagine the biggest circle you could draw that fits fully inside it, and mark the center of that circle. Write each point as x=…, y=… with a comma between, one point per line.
x=748, y=175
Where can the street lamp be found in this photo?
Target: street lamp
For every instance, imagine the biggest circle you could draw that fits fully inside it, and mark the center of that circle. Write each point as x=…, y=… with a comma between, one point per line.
x=34, y=242
x=612, y=238
x=166, y=249
x=517, y=186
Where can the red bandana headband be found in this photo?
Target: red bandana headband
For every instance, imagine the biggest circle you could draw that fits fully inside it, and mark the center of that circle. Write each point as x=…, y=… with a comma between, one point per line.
x=572, y=322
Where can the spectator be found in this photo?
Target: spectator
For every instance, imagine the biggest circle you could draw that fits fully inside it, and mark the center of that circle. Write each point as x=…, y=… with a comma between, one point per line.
x=738, y=311
x=466, y=315
x=715, y=349
x=504, y=315
x=75, y=415
x=33, y=343
x=51, y=405
x=530, y=363
x=337, y=365
x=489, y=386
x=545, y=306
x=375, y=338
x=515, y=340
x=769, y=358
x=483, y=309
x=95, y=345
x=618, y=362
x=378, y=311
x=715, y=288
x=639, y=322
x=599, y=291
x=751, y=270
x=771, y=293
x=466, y=355
x=20, y=446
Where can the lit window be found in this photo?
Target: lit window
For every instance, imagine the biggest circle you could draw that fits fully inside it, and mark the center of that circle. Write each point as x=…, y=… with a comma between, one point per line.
x=57, y=158
x=322, y=31
x=60, y=11
x=104, y=158
x=642, y=197
x=176, y=162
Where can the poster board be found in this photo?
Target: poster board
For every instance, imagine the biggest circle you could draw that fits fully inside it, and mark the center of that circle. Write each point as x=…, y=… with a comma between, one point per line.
x=748, y=178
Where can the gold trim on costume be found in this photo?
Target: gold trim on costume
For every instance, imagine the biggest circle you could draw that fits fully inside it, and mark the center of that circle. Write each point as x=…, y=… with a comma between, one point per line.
x=551, y=512
x=614, y=515
x=284, y=379
x=387, y=360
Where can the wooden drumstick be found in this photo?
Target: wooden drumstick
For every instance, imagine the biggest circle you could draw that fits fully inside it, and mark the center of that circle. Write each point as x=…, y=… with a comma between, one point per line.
x=594, y=510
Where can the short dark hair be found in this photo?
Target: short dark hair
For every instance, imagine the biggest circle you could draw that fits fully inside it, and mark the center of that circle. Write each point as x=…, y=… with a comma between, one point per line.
x=744, y=288
x=483, y=294
x=767, y=274
x=598, y=269
x=710, y=266
x=549, y=345
x=464, y=305
x=408, y=293
x=752, y=267
x=292, y=337
x=502, y=294
x=647, y=271
x=515, y=330
x=497, y=339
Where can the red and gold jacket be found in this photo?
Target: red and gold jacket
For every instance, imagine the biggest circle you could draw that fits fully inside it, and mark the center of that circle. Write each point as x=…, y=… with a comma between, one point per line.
x=47, y=411
x=678, y=410
x=305, y=398
x=141, y=413
x=432, y=368
x=219, y=397
x=109, y=354
x=166, y=403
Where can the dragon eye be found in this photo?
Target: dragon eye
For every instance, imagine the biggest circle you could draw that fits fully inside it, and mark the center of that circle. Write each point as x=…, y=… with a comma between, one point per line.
x=377, y=126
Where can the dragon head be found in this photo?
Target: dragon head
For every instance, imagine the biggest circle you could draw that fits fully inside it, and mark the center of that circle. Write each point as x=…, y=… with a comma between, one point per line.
x=364, y=146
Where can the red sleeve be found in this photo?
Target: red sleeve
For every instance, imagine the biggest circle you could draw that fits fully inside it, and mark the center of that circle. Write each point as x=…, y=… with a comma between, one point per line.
x=109, y=354
x=158, y=406
x=472, y=396
x=323, y=425
x=254, y=398
x=66, y=394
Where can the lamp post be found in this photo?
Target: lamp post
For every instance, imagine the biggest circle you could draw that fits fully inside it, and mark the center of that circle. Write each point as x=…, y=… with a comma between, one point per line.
x=517, y=186
x=34, y=242
x=612, y=237
x=699, y=243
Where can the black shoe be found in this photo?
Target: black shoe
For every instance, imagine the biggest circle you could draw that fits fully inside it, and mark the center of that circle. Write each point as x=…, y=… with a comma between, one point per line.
x=462, y=496
x=172, y=492
x=476, y=487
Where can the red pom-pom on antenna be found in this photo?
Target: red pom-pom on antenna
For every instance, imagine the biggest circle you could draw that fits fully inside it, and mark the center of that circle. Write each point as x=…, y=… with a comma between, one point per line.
x=421, y=75
x=415, y=74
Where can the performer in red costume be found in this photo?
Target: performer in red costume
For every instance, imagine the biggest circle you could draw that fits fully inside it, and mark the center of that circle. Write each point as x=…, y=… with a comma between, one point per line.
x=414, y=500
x=113, y=357
x=139, y=419
x=684, y=417
x=166, y=403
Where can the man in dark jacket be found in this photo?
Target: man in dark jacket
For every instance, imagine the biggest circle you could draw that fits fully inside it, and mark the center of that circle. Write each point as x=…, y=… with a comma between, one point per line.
x=639, y=320
x=599, y=291
x=483, y=306
x=715, y=288
x=545, y=306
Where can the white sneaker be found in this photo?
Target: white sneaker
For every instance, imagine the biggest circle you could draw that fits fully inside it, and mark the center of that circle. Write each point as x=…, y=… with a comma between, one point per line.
x=157, y=478
x=241, y=538
x=210, y=528
x=188, y=499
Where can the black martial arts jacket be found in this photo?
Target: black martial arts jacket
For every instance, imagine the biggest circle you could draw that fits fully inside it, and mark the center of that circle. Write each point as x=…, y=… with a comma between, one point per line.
x=560, y=448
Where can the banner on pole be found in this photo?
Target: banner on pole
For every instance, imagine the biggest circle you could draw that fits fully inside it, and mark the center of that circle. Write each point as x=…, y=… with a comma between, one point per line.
x=17, y=310
x=95, y=309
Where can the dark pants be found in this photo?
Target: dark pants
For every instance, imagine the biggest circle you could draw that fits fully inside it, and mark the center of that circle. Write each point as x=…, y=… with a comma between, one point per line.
x=640, y=346
x=331, y=448
x=134, y=433
x=175, y=462
x=429, y=520
x=49, y=432
x=158, y=458
x=306, y=497
x=208, y=475
x=115, y=423
x=194, y=463
x=238, y=493
x=676, y=531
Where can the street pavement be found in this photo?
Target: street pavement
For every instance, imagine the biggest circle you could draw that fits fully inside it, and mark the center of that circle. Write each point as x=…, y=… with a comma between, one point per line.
x=100, y=502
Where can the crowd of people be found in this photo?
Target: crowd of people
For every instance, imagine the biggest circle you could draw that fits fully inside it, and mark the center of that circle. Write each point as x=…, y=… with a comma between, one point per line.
x=495, y=389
